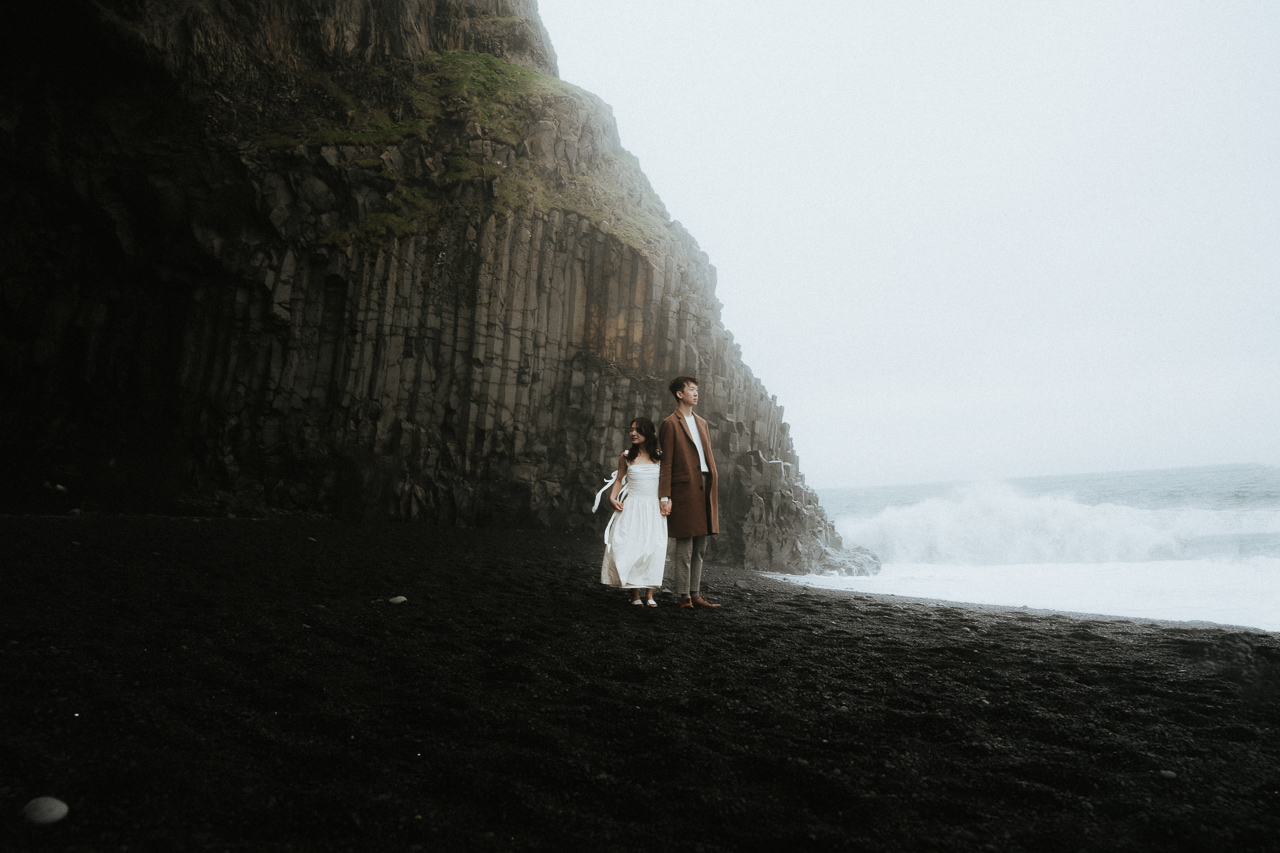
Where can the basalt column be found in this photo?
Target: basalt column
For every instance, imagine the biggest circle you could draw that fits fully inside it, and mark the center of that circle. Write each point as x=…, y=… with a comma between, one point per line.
x=391, y=267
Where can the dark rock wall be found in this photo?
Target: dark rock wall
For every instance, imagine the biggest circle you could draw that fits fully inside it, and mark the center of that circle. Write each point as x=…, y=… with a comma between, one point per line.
x=214, y=43
x=422, y=300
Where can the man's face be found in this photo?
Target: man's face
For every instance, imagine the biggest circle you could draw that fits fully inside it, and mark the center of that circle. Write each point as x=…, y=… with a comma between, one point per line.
x=690, y=394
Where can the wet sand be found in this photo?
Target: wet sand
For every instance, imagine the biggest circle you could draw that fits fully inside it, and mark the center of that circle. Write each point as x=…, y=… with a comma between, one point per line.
x=226, y=684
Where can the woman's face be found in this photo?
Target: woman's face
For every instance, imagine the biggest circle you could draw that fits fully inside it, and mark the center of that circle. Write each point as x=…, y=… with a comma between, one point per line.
x=636, y=437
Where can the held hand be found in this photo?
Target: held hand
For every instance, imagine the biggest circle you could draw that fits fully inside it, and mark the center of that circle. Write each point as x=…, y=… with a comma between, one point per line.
x=617, y=504
x=665, y=507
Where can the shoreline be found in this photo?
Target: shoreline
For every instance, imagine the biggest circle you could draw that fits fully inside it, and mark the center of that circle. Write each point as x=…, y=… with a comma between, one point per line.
x=247, y=685
x=1144, y=621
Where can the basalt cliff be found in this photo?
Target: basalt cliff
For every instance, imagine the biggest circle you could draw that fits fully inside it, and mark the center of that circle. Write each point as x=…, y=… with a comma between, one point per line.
x=371, y=258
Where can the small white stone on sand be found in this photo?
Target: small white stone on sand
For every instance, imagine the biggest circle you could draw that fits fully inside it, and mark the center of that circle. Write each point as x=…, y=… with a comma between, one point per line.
x=44, y=810
x=399, y=599
x=1168, y=774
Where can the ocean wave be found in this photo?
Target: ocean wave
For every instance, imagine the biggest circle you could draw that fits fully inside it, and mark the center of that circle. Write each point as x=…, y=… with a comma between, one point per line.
x=995, y=523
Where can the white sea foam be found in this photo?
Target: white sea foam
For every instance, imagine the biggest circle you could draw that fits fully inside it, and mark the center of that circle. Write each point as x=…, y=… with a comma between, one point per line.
x=1184, y=544
x=1236, y=592
x=995, y=523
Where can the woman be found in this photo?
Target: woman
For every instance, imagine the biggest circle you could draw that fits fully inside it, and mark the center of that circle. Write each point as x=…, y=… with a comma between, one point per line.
x=635, y=542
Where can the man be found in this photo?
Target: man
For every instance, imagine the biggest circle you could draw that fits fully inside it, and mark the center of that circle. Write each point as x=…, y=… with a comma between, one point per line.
x=687, y=489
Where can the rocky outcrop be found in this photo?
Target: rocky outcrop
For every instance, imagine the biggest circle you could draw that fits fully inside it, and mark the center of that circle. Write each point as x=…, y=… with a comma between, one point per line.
x=208, y=44
x=401, y=270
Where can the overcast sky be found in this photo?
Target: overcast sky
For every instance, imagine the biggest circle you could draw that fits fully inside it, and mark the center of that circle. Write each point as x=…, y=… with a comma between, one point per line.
x=966, y=240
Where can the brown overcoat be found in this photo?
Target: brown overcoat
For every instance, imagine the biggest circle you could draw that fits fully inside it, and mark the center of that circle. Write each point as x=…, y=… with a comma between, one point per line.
x=694, y=512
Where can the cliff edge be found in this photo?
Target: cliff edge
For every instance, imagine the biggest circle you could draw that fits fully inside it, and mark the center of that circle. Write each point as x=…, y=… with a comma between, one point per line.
x=369, y=258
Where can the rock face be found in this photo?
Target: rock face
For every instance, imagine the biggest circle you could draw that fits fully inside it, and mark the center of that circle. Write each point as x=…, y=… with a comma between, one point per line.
x=208, y=44
x=371, y=258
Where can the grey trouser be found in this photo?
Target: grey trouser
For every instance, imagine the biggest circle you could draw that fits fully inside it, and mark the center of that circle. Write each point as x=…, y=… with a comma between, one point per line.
x=688, y=560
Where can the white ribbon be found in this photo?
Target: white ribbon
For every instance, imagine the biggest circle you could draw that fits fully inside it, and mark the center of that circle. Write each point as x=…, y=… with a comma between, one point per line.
x=607, y=483
x=622, y=494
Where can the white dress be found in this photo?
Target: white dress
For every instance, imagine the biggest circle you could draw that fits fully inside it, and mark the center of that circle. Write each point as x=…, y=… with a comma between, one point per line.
x=635, y=542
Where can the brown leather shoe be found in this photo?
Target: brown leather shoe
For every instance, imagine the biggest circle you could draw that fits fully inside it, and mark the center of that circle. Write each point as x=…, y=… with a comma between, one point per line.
x=699, y=601
x=684, y=602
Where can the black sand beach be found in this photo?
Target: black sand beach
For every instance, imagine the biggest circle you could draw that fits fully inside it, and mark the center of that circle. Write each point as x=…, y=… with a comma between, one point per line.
x=246, y=685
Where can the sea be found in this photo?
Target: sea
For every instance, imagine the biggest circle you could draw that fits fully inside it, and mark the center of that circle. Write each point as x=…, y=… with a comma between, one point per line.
x=1185, y=544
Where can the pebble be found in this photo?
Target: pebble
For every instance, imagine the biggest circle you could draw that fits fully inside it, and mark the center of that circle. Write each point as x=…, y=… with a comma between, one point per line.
x=399, y=599
x=1168, y=774
x=45, y=810
x=741, y=584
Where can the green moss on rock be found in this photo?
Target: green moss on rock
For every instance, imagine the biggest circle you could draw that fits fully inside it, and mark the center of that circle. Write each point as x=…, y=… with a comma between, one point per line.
x=435, y=102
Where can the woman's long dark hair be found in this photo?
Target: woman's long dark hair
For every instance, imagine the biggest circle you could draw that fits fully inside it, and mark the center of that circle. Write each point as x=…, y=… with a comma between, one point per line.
x=644, y=426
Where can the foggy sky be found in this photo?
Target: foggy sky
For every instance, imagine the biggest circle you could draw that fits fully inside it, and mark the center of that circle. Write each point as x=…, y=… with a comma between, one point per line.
x=972, y=240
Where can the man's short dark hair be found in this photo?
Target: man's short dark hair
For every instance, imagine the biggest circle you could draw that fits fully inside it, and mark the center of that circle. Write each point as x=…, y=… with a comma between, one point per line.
x=677, y=384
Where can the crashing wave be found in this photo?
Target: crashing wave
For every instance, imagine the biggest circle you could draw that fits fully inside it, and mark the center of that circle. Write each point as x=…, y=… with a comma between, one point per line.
x=994, y=523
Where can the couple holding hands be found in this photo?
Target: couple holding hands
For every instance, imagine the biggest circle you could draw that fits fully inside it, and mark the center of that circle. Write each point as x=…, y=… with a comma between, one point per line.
x=665, y=487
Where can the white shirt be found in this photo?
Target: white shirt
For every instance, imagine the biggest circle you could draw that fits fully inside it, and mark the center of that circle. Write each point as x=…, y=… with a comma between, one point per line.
x=697, y=442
